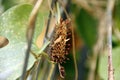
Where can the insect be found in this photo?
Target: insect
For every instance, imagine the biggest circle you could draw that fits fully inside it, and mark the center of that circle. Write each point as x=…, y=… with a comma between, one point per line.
x=59, y=47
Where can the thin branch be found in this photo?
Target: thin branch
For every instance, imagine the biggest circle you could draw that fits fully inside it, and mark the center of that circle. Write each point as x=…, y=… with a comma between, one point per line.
x=97, y=49
x=74, y=55
x=49, y=18
x=51, y=72
x=58, y=12
x=37, y=69
x=98, y=3
x=30, y=32
x=34, y=70
x=46, y=32
x=110, y=6
x=63, y=5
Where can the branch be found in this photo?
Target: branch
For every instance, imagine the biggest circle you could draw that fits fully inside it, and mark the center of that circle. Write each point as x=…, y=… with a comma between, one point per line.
x=49, y=18
x=30, y=32
x=74, y=55
x=110, y=6
x=47, y=37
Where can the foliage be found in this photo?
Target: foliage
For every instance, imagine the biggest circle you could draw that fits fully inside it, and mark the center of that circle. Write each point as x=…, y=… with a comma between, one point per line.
x=13, y=26
x=86, y=16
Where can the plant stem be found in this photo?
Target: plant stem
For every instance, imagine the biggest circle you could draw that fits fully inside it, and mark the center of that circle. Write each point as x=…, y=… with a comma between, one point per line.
x=58, y=11
x=49, y=19
x=51, y=71
x=30, y=32
x=110, y=6
x=74, y=55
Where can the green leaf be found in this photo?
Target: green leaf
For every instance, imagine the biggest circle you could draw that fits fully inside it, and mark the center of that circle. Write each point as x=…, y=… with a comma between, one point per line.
x=9, y=3
x=13, y=26
x=116, y=14
x=103, y=70
x=87, y=27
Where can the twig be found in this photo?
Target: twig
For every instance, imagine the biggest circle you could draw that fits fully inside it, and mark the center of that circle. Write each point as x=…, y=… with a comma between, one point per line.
x=97, y=49
x=46, y=37
x=37, y=69
x=58, y=12
x=110, y=6
x=30, y=32
x=63, y=5
x=97, y=3
x=51, y=72
x=49, y=18
x=34, y=70
x=74, y=55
